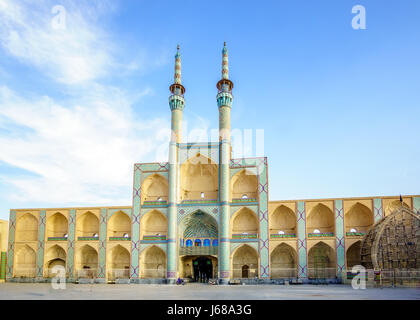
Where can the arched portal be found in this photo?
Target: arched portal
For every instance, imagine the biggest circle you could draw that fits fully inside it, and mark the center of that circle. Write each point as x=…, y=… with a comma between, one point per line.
x=86, y=262
x=358, y=219
x=57, y=225
x=199, y=179
x=245, y=256
x=283, y=262
x=87, y=225
x=25, y=262
x=198, y=225
x=153, y=263
x=245, y=221
x=154, y=188
x=320, y=218
x=119, y=225
x=27, y=228
x=321, y=261
x=154, y=223
x=353, y=255
x=118, y=263
x=283, y=220
x=244, y=184
x=55, y=256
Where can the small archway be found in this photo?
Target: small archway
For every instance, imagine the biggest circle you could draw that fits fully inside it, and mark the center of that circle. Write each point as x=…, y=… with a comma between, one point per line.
x=155, y=188
x=353, y=256
x=358, y=219
x=153, y=263
x=119, y=225
x=86, y=262
x=283, y=262
x=245, y=256
x=154, y=223
x=87, y=225
x=118, y=263
x=244, y=184
x=245, y=221
x=283, y=219
x=27, y=228
x=57, y=225
x=25, y=262
x=199, y=179
x=321, y=261
x=55, y=256
x=320, y=218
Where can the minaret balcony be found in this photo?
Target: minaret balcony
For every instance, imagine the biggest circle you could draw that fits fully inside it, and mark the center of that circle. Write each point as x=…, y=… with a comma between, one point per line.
x=224, y=99
x=176, y=102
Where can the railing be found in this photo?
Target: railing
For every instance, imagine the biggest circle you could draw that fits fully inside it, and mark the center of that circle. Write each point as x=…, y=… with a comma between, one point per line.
x=154, y=237
x=236, y=200
x=86, y=273
x=321, y=273
x=155, y=203
x=87, y=238
x=24, y=272
x=289, y=235
x=199, y=201
x=114, y=274
x=386, y=278
x=320, y=235
x=119, y=238
x=57, y=239
x=355, y=234
x=281, y=273
x=245, y=236
x=198, y=250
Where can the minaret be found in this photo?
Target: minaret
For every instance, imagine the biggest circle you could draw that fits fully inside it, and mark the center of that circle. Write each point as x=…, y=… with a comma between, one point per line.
x=176, y=103
x=224, y=102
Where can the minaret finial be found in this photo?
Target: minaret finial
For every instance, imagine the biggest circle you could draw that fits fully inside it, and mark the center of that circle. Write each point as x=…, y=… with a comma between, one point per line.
x=225, y=63
x=177, y=77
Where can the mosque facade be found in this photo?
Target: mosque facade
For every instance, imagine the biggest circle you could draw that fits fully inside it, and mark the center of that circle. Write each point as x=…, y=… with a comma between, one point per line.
x=201, y=215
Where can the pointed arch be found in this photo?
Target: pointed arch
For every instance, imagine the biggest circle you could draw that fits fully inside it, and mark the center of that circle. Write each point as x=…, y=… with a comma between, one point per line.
x=244, y=221
x=154, y=188
x=27, y=228
x=25, y=262
x=283, y=219
x=353, y=257
x=245, y=262
x=358, y=217
x=244, y=184
x=321, y=218
x=119, y=225
x=283, y=262
x=321, y=261
x=86, y=262
x=87, y=225
x=57, y=225
x=154, y=223
x=118, y=263
x=153, y=263
x=199, y=179
x=54, y=256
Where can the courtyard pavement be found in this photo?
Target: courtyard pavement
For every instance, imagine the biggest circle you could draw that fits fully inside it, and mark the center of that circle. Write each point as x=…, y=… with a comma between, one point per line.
x=27, y=291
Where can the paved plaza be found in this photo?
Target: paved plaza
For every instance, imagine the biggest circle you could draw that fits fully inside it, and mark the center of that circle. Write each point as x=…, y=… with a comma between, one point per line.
x=26, y=291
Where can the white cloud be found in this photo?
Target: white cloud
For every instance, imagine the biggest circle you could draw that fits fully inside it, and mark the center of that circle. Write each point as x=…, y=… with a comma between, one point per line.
x=83, y=153
x=81, y=52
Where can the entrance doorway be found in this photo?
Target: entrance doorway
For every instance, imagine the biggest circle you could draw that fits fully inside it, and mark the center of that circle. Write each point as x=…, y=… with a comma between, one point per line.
x=203, y=269
x=245, y=271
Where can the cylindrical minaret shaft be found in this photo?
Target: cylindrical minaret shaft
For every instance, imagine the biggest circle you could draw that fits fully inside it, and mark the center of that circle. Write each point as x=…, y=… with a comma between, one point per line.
x=224, y=102
x=176, y=103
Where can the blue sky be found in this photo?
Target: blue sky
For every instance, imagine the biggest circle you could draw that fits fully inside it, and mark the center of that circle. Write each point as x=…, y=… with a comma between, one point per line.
x=339, y=107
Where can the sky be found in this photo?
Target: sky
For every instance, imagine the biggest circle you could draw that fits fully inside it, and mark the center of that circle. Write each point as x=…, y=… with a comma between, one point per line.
x=84, y=94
